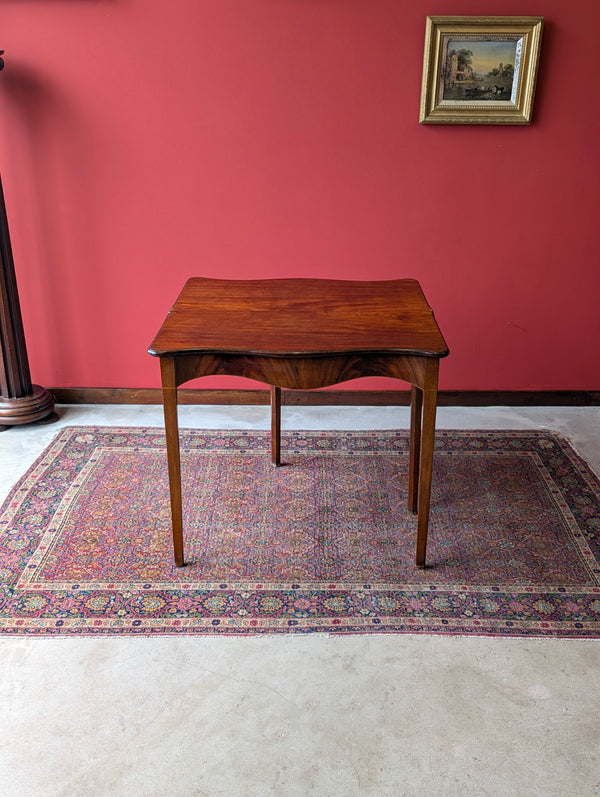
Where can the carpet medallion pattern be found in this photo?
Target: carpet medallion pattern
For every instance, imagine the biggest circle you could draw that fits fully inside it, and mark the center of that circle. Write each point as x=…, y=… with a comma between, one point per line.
x=323, y=543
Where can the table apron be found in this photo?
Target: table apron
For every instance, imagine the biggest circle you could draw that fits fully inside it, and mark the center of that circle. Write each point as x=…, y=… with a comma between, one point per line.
x=301, y=373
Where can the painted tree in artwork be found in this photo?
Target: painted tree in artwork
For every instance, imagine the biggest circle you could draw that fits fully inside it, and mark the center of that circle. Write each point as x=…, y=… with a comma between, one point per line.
x=465, y=57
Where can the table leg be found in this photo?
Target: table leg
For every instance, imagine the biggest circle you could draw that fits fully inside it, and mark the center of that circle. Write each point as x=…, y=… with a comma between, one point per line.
x=275, y=425
x=425, y=471
x=174, y=463
x=416, y=404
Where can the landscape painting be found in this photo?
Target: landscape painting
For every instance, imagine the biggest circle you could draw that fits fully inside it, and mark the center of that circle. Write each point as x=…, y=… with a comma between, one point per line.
x=480, y=70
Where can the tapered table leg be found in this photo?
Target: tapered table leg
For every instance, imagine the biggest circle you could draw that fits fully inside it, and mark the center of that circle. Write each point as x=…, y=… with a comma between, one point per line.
x=416, y=404
x=425, y=471
x=275, y=425
x=174, y=460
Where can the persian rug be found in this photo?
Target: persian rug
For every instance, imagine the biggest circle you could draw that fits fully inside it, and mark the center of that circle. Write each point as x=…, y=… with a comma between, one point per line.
x=324, y=543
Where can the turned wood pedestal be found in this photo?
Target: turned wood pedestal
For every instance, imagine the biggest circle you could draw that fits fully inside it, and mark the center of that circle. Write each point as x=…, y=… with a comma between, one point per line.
x=20, y=400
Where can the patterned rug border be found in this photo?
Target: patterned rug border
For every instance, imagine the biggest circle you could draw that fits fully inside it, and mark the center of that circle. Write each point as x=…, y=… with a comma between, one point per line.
x=251, y=607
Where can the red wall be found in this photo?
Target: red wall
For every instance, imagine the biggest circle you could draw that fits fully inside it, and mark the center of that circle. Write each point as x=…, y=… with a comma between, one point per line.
x=144, y=141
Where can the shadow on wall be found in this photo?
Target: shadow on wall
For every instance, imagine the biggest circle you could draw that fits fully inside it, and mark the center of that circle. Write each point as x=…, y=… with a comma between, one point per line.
x=51, y=198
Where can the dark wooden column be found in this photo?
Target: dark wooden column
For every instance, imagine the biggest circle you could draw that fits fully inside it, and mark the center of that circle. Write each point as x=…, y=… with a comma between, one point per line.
x=20, y=401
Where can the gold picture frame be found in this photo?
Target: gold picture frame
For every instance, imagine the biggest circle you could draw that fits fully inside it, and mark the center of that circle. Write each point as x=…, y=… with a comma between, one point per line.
x=480, y=70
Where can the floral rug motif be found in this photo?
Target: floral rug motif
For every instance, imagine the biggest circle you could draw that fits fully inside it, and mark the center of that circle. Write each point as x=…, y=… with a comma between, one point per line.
x=324, y=543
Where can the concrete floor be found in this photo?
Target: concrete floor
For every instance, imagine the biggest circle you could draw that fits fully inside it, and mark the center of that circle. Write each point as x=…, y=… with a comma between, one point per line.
x=311, y=715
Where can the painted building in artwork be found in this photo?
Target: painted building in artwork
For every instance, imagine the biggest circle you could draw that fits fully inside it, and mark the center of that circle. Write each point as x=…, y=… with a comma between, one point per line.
x=459, y=75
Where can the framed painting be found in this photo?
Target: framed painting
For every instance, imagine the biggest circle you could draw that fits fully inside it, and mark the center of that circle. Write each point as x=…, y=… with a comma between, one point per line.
x=480, y=70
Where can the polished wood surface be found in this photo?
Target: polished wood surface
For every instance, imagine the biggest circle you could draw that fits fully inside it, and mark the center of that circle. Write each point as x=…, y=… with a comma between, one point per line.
x=300, y=317
x=303, y=334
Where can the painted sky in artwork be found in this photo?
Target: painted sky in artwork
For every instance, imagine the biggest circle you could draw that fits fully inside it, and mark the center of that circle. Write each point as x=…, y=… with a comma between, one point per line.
x=486, y=55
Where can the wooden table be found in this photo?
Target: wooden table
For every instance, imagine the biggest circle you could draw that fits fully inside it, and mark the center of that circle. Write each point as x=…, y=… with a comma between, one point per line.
x=302, y=334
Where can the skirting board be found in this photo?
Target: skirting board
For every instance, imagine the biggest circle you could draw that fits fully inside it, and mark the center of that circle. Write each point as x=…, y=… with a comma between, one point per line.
x=381, y=398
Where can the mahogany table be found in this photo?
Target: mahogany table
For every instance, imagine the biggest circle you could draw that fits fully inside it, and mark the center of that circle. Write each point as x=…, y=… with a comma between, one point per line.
x=301, y=334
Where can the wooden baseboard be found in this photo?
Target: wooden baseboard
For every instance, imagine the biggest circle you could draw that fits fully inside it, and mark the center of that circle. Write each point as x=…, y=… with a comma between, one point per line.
x=381, y=398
